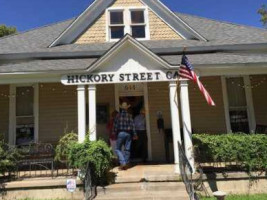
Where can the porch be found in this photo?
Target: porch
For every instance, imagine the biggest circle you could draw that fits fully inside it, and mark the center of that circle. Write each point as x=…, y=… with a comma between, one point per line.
x=55, y=107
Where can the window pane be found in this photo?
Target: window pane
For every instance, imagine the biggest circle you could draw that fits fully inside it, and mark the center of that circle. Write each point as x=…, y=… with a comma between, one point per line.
x=116, y=17
x=117, y=32
x=24, y=101
x=237, y=105
x=239, y=121
x=137, y=17
x=236, y=92
x=138, y=31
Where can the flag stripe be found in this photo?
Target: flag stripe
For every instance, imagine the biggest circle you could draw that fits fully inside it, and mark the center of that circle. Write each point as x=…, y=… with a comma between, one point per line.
x=187, y=71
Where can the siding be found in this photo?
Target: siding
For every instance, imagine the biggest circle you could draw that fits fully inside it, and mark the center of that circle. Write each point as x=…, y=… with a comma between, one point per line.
x=259, y=93
x=158, y=97
x=57, y=111
x=105, y=95
x=4, y=110
x=159, y=30
x=207, y=119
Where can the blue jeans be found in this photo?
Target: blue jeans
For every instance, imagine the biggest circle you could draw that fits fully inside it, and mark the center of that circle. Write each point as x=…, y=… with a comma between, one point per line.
x=124, y=139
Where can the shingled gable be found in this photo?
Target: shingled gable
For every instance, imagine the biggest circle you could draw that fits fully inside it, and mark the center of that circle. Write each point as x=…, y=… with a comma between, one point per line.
x=139, y=52
x=89, y=16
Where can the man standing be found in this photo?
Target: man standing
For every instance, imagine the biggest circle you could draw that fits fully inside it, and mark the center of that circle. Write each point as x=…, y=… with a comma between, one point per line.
x=125, y=130
x=140, y=126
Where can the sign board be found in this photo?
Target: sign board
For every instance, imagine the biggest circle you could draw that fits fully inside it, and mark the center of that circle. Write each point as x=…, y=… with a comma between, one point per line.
x=120, y=77
x=71, y=185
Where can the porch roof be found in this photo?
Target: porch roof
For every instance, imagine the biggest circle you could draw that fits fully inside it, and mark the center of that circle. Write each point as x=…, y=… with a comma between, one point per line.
x=82, y=64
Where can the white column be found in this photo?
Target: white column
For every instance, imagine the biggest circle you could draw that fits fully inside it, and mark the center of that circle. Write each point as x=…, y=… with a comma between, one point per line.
x=175, y=123
x=92, y=111
x=81, y=113
x=186, y=119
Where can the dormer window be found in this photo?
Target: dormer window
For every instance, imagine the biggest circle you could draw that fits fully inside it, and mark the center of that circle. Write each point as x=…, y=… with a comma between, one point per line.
x=133, y=21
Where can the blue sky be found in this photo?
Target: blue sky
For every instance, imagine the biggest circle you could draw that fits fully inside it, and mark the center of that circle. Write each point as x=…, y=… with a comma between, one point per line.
x=28, y=14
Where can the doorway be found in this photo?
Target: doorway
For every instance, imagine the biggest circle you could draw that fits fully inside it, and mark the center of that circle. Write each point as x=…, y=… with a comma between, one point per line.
x=137, y=103
x=136, y=94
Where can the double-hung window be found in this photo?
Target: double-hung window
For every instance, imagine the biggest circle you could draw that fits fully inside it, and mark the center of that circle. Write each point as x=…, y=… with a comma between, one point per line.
x=127, y=20
x=116, y=26
x=138, y=24
x=238, y=108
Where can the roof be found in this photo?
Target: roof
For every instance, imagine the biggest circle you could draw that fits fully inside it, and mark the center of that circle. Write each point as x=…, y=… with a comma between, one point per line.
x=197, y=60
x=88, y=17
x=74, y=56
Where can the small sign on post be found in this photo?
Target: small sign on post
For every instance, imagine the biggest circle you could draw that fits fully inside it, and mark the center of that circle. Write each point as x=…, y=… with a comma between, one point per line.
x=71, y=185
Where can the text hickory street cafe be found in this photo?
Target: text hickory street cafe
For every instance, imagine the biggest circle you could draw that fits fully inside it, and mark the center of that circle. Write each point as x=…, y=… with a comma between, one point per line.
x=101, y=78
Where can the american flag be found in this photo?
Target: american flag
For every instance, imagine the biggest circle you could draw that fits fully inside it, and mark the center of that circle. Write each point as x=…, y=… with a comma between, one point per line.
x=187, y=71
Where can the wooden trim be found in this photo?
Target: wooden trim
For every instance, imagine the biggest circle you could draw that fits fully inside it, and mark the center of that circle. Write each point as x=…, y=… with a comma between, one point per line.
x=226, y=105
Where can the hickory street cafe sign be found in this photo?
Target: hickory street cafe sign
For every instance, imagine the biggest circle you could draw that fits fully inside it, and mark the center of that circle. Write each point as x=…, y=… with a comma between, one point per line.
x=117, y=77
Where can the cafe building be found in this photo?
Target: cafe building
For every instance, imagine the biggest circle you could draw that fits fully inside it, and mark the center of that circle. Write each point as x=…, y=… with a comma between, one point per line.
x=71, y=75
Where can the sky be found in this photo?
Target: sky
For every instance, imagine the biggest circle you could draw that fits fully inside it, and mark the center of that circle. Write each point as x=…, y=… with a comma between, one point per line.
x=29, y=14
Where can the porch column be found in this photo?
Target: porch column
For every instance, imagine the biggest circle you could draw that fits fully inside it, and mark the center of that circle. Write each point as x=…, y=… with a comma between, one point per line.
x=175, y=123
x=186, y=119
x=92, y=111
x=81, y=113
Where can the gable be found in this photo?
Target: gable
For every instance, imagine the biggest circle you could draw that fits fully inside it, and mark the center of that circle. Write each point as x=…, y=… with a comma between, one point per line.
x=97, y=32
x=129, y=55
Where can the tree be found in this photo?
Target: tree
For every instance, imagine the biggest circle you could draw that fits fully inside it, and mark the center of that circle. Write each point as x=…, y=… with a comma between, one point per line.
x=263, y=12
x=5, y=30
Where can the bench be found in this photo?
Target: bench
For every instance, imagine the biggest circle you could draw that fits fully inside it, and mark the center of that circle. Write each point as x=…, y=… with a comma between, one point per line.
x=36, y=155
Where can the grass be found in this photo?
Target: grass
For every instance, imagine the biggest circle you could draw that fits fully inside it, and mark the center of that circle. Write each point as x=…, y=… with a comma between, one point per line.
x=242, y=197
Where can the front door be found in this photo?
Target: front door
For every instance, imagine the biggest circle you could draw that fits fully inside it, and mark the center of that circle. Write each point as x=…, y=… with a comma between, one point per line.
x=135, y=94
x=137, y=103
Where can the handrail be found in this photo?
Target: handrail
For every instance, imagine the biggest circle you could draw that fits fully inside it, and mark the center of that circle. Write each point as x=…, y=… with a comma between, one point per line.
x=186, y=171
x=88, y=183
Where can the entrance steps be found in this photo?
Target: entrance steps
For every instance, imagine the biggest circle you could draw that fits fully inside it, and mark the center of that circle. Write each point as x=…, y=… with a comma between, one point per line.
x=147, y=182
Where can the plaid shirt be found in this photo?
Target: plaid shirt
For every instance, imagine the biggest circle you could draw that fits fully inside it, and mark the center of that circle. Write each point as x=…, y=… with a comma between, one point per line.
x=124, y=122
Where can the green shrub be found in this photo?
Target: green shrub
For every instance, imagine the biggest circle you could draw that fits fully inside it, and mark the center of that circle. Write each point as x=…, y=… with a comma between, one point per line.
x=99, y=156
x=63, y=147
x=250, y=151
x=97, y=153
x=9, y=157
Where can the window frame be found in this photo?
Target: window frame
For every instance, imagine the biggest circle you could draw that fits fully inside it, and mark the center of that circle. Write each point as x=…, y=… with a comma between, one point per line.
x=127, y=21
x=249, y=101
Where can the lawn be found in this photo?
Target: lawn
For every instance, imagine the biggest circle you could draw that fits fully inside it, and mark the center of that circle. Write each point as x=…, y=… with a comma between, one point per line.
x=242, y=197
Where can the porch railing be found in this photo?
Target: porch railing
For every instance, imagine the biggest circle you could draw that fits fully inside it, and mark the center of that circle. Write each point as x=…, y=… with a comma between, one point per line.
x=88, y=187
x=186, y=171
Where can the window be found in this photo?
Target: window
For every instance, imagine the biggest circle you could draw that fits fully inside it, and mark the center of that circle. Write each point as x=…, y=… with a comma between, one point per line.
x=237, y=105
x=116, y=24
x=138, y=25
x=24, y=115
x=131, y=21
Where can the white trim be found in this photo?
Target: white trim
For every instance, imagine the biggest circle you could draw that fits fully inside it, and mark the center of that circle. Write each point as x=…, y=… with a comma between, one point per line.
x=81, y=104
x=134, y=42
x=226, y=105
x=250, y=104
x=175, y=120
x=149, y=140
x=12, y=114
x=186, y=120
x=92, y=112
x=36, y=112
x=12, y=111
x=127, y=21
